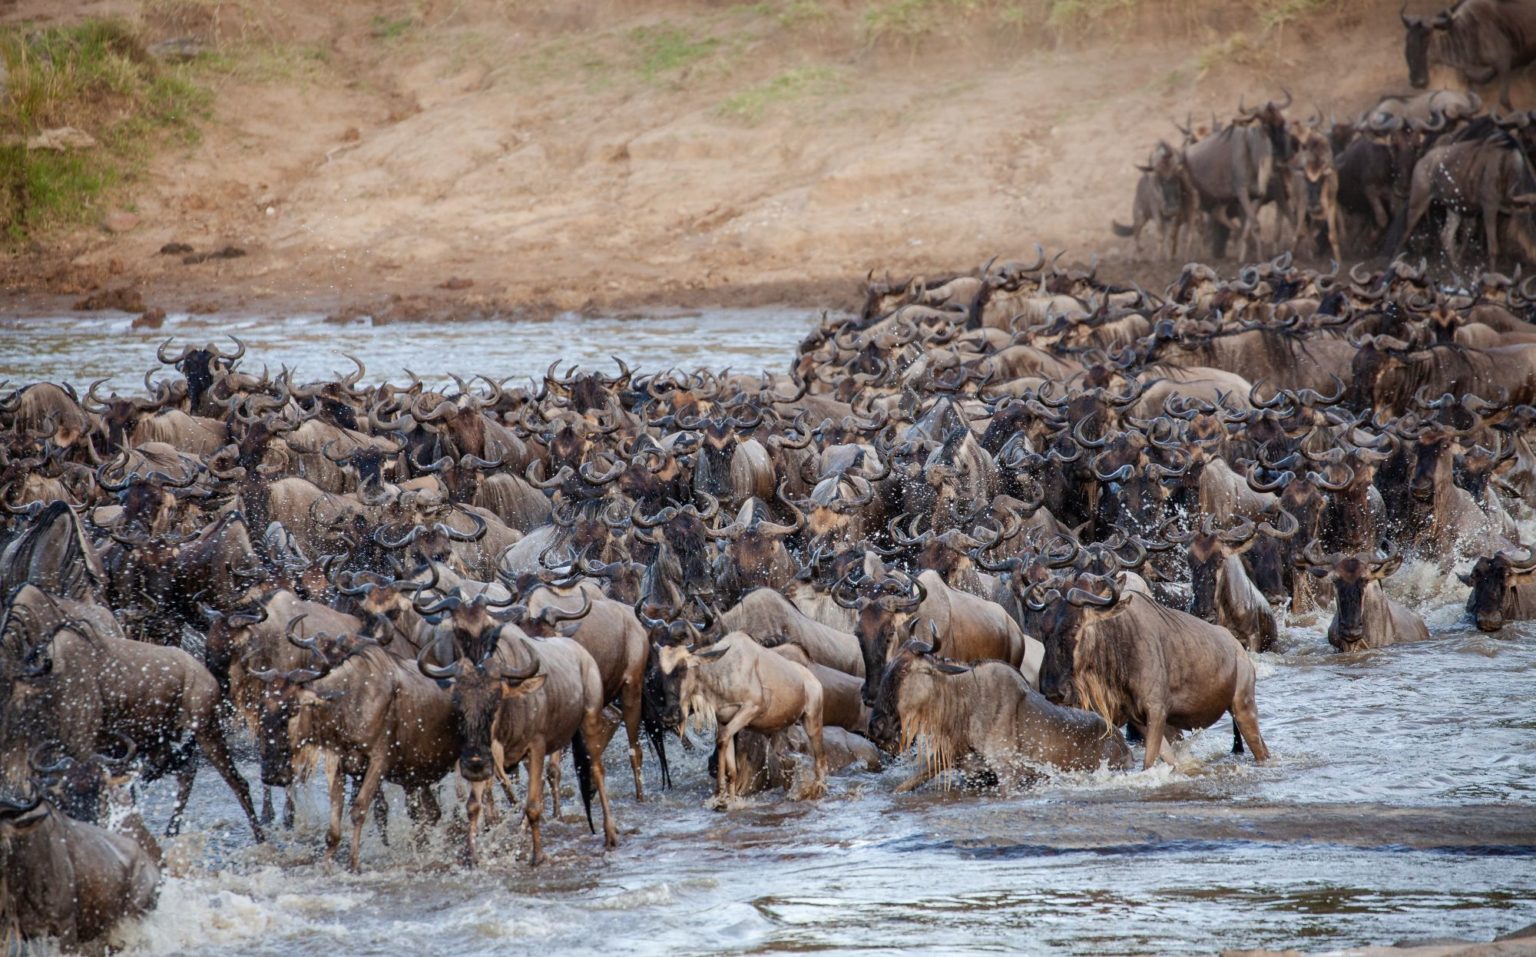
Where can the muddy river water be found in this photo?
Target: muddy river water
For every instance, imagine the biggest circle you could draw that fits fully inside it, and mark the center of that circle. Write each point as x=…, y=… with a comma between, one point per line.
x=1400, y=804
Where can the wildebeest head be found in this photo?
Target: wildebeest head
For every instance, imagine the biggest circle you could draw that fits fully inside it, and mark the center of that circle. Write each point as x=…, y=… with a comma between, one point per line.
x=883, y=607
x=479, y=688
x=908, y=688
x=200, y=366
x=1087, y=599
x=281, y=728
x=1352, y=576
x=1416, y=45
x=678, y=665
x=1492, y=578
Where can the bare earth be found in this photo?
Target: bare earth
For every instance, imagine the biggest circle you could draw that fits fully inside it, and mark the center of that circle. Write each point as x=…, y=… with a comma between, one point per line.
x=494, y=158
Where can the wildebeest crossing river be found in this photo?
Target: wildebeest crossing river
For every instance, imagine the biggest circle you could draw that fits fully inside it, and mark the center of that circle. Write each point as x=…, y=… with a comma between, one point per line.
x=1400, y=802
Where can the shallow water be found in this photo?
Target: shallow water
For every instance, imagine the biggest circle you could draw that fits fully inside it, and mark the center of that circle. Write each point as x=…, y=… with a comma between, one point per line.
x=88, y=347
x=1400, y=804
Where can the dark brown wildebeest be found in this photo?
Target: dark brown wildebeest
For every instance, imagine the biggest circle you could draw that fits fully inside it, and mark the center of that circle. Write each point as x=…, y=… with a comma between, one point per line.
x=1235, y=170
x=1130, y=659
x=1363, y=617
x=1503, y=588
x=1490, y=178
x=69, y=879
x=514, y=698
x=984, y=718
x=1485, y=40
x=82, y=682
x=1165, y=196
x=379, y=717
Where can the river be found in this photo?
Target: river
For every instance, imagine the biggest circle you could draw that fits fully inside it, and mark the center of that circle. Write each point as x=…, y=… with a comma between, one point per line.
x=1400, y=803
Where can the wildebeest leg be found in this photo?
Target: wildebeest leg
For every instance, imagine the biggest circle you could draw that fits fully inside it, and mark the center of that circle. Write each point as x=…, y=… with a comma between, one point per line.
x=267, y=812
x=488, y=800
x=366, y=792
x=1155, y=728
x=288, y=808
x=337, y=779
x=478, y=792
x=1237, y=738
x=381, y=815
x=726, y=784
x=812, y=720
x=1491, y=230
x=633, y=706
x=533, y=807
x=185, y=776
x=1448, y=236
x=1245, y=715
x=210, y=738
x=552, y=775
x=597, y=731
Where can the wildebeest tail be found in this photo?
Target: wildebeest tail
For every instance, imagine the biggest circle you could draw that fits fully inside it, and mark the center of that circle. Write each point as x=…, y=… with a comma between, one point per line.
x=1121, y=230
x=582, y=758
x=651, y=723
x=1396, y=233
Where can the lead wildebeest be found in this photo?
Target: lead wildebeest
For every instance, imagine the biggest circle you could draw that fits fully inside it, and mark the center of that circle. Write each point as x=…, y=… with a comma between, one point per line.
x=1485, y=40
x=984, y=719
x=514, y=698
x=1364, y=617
x=1130, y=659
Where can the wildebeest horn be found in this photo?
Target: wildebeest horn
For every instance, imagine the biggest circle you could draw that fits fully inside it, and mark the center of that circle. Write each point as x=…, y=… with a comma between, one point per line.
x=517, y=677
x=435, y=672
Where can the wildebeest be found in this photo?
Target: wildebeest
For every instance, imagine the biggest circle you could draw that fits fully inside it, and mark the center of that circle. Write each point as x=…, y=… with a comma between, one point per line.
x=984, y=719
x=1130, y=659
x=515, y=699
x=1490, y=178
x=735, y=685
x=379, y=718
x=1485, y=40
x=67, y=879
x=1503, y=588
x=1234, y=169
x=1165, y=196
x=81, y=682
x=1364, y=617
x=1317, y=193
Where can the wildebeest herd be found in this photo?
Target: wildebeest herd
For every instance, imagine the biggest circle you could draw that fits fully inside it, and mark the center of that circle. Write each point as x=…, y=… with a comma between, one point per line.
x=997, y=516
x=1431, y=174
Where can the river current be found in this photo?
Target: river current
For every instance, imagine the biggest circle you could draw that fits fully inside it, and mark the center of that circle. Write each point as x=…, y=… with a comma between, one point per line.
x=1400, y=803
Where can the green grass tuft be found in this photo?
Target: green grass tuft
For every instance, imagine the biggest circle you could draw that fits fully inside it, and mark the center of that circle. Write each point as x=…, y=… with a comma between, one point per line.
x=97, y=77
x=667, y=49
x=750, y=104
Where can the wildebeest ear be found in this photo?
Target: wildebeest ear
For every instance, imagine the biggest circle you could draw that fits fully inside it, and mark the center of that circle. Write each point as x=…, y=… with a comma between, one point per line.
x=1464, y=577
x=1319, y=571
x=950, y=668
x=712, y=653
x=1391, y=567
x=511, y=688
